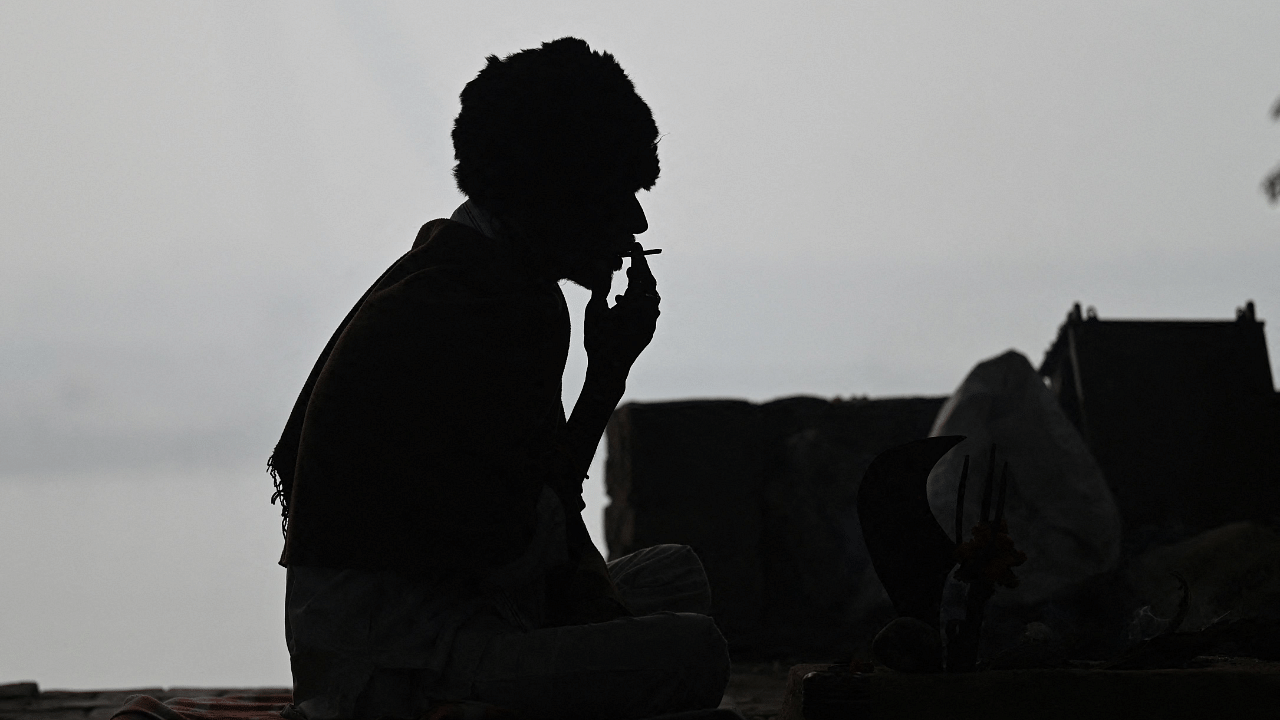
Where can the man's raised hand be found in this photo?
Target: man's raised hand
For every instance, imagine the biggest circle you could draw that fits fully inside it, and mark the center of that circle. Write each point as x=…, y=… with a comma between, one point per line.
x=615, y=336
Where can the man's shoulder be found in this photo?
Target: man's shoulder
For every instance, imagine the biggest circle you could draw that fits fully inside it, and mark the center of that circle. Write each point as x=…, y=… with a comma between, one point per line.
x=446, y=232
x=455, y=274
x=448, y=241
x=450, y=255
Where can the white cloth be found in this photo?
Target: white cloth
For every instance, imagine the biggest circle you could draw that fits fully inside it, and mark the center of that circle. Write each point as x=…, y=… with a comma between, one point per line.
x=1060, y=510
x=672, y=660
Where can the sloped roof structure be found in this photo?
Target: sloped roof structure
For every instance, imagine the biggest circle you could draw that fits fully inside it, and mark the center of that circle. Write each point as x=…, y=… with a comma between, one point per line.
x=1182, y=415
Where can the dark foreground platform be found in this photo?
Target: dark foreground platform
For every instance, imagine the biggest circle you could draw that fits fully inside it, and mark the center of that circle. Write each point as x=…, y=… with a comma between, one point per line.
x=755, y=691
x=25, y=701
x=1224, y=689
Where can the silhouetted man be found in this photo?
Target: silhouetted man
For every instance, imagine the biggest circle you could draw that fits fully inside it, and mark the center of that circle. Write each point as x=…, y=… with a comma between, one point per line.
x=430, y=481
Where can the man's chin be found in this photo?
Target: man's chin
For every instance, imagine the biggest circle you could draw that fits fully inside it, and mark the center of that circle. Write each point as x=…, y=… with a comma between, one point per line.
x=592, y=281
x=596, y=275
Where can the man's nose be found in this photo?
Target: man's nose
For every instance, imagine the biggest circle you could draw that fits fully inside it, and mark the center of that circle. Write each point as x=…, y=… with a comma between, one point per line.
x=635, y=220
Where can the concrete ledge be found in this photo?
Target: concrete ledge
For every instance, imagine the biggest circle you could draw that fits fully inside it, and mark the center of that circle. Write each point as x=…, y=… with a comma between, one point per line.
x=1234, y=688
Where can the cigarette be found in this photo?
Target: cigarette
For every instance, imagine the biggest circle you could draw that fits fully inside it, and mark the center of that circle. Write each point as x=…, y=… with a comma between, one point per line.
x=628, y=253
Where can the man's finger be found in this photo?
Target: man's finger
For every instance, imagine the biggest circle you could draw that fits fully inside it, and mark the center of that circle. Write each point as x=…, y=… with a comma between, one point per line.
x=640, y=272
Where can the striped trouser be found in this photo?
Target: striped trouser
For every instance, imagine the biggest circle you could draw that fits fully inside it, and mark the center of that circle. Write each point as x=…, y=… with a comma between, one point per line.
x=669, y=658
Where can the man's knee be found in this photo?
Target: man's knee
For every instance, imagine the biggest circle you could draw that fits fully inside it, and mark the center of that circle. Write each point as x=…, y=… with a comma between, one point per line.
x=691, y=648
x=662, y=578
x=707, y=659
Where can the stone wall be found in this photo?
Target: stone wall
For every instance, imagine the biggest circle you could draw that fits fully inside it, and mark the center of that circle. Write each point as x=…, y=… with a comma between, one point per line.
x=765, y=493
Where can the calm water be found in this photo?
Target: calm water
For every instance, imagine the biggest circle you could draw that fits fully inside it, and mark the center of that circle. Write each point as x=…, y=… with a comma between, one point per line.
x=156, y=579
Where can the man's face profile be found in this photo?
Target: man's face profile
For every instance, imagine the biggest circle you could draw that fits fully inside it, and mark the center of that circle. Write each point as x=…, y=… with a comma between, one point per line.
x=597, y=235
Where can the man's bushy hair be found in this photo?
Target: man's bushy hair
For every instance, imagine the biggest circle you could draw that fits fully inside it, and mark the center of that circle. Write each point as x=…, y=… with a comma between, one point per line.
x=553, y=124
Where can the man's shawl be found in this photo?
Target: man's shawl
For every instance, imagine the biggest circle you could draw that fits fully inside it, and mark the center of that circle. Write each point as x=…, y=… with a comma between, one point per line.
x=428, y=426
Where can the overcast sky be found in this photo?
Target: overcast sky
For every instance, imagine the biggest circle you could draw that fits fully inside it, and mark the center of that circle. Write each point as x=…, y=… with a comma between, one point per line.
x=857, y=198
